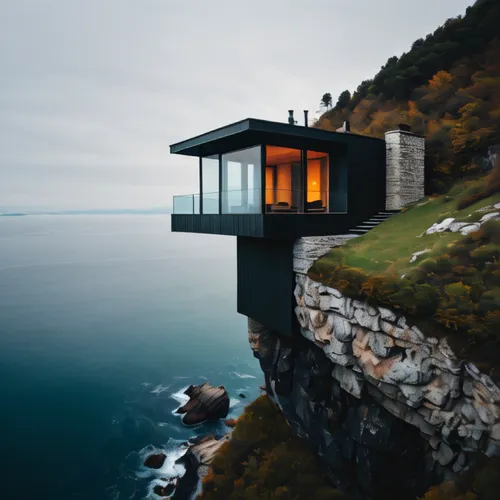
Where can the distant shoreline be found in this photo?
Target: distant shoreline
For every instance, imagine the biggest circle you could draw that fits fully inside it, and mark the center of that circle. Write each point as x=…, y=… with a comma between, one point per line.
x=132, y=212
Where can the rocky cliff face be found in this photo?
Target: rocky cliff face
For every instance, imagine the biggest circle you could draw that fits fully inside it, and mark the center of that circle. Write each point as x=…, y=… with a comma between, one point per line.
x=388, y=408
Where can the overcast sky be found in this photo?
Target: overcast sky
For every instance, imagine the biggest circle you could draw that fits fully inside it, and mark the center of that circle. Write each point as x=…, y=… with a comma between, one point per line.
x=92, y=92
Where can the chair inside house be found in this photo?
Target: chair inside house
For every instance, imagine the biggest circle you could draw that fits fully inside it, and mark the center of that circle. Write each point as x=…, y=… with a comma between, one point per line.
x=316, y=206
x=281, y=206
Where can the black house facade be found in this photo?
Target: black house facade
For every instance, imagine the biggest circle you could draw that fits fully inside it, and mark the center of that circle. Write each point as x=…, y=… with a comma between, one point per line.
x=270, y=183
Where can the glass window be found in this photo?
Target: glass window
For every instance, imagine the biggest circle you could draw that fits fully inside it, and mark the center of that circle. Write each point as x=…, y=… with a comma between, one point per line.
x=317, y=181
x=283, y=180
x=241, y=181
x=210, y=184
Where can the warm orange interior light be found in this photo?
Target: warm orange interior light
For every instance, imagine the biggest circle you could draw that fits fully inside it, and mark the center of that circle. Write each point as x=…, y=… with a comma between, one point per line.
x=269, y=186
x=313, y=180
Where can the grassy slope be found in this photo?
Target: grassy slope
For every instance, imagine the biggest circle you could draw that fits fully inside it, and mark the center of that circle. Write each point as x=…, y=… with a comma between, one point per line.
x=452, y=290
x=389, y=247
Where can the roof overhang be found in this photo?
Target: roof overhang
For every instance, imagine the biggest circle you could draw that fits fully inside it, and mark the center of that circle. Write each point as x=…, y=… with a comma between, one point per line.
x=251, y=132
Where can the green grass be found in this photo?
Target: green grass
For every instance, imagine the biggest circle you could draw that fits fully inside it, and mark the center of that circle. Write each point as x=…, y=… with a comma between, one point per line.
x=453, y=288
x=388, y=248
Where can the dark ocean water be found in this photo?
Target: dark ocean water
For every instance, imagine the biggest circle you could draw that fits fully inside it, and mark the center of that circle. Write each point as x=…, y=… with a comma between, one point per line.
x=104, y=320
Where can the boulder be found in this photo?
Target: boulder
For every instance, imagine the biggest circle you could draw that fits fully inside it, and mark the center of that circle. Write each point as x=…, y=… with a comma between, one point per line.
x=440, y=227
x=456, y=226
x=470, y=229
x=205, y=403
x=490, y=216
x=205, y=451
x=165, y=490
x=155, y=461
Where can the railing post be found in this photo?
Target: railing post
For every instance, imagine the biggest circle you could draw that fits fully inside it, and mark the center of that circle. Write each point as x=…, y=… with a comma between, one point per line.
x=263, y=179
x=303, y=155
x=201, y=185
x=220, y=184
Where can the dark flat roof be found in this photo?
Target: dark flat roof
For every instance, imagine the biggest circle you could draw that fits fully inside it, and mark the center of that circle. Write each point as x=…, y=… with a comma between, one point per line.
x=251, y=132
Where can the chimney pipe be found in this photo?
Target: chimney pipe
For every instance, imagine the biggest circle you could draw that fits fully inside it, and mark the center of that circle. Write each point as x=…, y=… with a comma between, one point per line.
x=404, y=127
x=306, y=120
x=291, y=120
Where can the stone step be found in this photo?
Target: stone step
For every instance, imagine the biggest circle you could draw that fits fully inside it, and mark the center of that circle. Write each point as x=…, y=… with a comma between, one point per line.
x=372, y=222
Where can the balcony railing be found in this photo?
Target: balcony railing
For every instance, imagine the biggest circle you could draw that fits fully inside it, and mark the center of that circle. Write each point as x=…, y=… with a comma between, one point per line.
x=249, y=201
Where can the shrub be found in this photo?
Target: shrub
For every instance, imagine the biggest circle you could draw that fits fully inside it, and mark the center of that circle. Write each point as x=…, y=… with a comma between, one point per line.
x=264, y=460
x=491, y=186
x=448, y=491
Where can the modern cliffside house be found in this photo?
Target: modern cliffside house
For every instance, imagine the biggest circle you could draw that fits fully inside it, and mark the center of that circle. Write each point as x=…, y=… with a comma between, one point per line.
x=270, y=183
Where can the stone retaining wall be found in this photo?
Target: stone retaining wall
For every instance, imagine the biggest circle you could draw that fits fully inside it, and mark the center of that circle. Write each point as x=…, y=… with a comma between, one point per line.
x=416, y=378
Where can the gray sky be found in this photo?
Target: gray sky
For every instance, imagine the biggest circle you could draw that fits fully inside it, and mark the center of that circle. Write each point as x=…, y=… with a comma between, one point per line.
x=92, y=92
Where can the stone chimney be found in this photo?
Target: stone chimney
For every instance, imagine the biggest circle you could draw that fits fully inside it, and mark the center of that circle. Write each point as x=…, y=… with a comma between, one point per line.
x=405, y=153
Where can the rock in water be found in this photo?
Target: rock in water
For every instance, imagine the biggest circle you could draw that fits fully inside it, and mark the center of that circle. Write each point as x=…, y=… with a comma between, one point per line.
x=242, y=396
x=165, y=491
x=196, y=461
x=231, y=422
x=155, y=461
x=205, y=403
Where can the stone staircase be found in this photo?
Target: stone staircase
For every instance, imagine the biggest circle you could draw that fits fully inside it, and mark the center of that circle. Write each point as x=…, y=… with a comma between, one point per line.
x=373, y=222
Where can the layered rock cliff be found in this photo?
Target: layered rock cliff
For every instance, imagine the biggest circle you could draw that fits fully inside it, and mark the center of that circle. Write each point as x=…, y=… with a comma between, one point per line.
x=386, y=407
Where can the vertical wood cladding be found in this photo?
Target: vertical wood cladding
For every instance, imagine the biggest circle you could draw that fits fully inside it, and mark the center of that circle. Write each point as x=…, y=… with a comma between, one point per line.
x=266, y=282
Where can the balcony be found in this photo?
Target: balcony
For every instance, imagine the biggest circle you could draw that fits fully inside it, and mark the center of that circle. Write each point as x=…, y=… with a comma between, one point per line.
x=275, y=181
x=249, y=201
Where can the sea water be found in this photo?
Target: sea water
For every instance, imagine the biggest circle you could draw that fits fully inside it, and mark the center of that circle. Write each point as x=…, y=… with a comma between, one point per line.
x=104, y=321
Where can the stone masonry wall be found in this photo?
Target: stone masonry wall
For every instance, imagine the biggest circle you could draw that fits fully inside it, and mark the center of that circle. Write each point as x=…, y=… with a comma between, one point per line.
x=416, y=378
x=405, y=168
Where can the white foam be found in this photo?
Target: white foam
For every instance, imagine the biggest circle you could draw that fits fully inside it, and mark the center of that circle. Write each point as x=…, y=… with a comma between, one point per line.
x=159, y=389
x=169, y=426
x=241, y=375
x=180, y=397
x=233, y=402
x=173, y=451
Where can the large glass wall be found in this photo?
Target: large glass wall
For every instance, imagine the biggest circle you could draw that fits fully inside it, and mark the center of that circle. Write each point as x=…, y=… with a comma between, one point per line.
x=241, y=181
x=295, y=181
x=210, y=184
x=283, y=180
x=317, y=182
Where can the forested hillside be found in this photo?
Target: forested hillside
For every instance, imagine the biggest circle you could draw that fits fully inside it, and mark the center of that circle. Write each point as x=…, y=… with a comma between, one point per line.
x=447, y=87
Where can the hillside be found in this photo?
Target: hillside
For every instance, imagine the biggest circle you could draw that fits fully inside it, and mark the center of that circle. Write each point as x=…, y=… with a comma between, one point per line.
x=446, y=87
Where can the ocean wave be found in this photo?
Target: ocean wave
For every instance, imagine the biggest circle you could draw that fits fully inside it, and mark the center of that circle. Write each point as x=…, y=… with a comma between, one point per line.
x=242, y=375
x=234, y=402
x=173, y=450
x=159, y=389
x=180, y=397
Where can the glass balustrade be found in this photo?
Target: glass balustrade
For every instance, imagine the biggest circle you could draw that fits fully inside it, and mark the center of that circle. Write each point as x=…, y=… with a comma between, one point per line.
x=249, y=201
